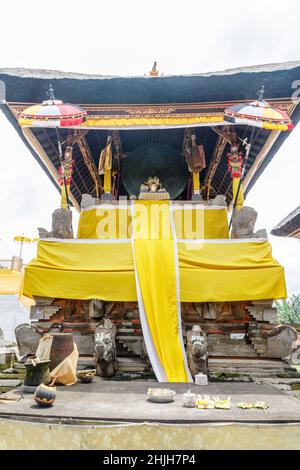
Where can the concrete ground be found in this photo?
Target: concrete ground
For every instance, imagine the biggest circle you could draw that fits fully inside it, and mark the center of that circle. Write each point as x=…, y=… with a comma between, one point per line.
x=111, y=401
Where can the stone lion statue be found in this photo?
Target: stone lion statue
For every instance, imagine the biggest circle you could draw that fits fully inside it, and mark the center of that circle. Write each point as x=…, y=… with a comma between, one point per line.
x=197, y=350
x=243, y=224
x=61, y=225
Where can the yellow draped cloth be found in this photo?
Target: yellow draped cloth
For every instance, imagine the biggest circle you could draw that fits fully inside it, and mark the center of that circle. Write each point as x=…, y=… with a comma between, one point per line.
x=10, y=281
x=209, y=270
x=158, y=289
x=11, y=284
x=65, y=372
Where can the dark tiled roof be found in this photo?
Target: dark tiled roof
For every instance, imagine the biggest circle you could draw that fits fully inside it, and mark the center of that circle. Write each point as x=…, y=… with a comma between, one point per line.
x=289, y=225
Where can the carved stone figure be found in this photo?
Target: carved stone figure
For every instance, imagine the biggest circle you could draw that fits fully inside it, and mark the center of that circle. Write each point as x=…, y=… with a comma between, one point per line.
x=105, y=349
x=281, y=341
x=197, y=350
x=61, y=225
x=28, y=337
x=243, y=223
x=87, y=200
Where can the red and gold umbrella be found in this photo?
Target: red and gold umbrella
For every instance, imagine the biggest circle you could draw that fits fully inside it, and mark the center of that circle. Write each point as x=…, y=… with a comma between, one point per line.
x=260, y=114
x=55, y=114
x=52, y=113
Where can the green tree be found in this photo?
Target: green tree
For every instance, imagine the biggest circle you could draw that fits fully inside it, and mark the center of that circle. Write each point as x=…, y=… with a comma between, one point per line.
x=289, y=310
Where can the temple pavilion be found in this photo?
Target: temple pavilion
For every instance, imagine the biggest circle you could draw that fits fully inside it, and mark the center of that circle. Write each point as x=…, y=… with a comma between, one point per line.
x=156, y=173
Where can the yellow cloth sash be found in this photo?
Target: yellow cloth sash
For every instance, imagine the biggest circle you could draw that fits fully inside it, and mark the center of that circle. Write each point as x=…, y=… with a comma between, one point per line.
x=154, y=259
x=212, y=271
x=240, y=197
x=65, y=190
x=196, y=181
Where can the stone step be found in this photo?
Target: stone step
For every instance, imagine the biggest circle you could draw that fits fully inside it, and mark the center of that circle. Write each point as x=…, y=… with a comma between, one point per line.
x=129, y=338
x=263, y=314
x=132, y=365
x=125, y=330
x=236, y=362
x=9, y=384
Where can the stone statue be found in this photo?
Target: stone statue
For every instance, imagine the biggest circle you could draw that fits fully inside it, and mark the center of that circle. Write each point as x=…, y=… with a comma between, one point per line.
x=87, y=201
x=281, y=341
x=105, y=349
x=153, y=185
x=197, y=350
x=243, y=223
x=28, y=337
x=61, y=225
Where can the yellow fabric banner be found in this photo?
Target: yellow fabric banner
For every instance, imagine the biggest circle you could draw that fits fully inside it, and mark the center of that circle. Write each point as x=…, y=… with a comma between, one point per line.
x=154, y=259
x=196, y=181
x=216, y=271
x=107, y=181
x=240, y=196
x=110, y=222
x=65, y=191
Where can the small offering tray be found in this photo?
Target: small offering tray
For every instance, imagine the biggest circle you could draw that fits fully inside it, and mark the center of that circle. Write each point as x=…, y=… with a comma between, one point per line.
x=161, y=395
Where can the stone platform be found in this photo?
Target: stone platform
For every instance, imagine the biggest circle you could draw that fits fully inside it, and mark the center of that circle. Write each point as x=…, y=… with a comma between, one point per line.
x=127, y=402
x=117, y=415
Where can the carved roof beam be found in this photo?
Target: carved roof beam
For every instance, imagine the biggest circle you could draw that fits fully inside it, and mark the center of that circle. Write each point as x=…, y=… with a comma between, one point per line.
x=217, y=155
x=89, y=161
x=227, y=133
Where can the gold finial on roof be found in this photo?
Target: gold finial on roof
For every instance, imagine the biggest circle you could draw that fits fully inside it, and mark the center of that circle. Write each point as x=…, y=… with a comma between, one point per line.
x=154, y=72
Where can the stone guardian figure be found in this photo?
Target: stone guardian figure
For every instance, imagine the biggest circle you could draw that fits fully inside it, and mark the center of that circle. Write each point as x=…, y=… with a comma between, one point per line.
x=105, y=349
x=197, y=350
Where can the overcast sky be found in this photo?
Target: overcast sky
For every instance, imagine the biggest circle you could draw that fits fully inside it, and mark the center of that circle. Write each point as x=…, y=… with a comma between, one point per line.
x=124, y=37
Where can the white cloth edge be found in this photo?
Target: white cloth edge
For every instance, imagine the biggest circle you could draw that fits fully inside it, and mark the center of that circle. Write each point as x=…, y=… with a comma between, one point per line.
x=179, y=240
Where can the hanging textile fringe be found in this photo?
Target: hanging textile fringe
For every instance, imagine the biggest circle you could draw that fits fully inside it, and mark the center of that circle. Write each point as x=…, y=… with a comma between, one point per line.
x=105, y=161
x=105, y=165
x=65, y=194
x=237, y=193
x=65, y=177
x=235, y=168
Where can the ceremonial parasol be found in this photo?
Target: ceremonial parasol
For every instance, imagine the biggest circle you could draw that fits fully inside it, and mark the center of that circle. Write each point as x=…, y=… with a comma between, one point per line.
x=52, y=113
x=259, y=114
x=21, y=239
x=56, y=114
